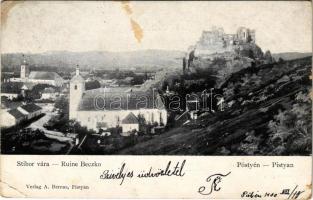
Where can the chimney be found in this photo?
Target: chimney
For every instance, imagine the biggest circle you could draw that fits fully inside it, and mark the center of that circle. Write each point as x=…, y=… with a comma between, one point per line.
x=77, y=70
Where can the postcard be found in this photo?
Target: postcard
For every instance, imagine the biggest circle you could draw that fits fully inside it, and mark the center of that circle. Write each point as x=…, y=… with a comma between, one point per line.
x=156, y=99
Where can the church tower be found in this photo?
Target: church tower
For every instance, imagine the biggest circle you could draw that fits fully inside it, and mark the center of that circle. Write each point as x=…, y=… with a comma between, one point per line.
x=24, y=69
x=77, y=89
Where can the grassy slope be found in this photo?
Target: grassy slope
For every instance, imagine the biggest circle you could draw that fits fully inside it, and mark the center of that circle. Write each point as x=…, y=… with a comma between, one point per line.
x=224, y=132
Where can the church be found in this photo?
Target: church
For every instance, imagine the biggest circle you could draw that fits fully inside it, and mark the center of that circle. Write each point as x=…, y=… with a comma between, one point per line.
x=38, y=77
x=104, y=108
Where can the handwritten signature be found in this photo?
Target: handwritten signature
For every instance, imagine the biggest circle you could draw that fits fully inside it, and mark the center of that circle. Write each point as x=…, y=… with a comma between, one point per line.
x=214, y=185
x=214, y=181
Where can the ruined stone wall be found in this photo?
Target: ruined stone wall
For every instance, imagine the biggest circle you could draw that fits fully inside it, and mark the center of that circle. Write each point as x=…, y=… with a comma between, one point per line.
x=216, y=41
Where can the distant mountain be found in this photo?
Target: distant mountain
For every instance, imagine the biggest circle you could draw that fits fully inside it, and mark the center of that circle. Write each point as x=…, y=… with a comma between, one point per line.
x=96, y=59
x=290, y=55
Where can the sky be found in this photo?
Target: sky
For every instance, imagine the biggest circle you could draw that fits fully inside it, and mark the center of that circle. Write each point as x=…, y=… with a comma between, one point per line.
x=41, y=26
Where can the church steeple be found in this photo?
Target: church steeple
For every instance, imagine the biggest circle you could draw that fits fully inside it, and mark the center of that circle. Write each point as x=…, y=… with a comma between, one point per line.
x=77, y=89
x=77, y=70
x=24, y=69
x=24, y=60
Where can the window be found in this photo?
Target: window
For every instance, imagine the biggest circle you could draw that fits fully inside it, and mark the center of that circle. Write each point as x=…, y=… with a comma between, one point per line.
x=88, y=119
x=75, y=87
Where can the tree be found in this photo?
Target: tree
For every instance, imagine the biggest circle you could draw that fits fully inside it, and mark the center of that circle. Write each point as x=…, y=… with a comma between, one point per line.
x=62, y=104
x=36, y=91
x=92, y=85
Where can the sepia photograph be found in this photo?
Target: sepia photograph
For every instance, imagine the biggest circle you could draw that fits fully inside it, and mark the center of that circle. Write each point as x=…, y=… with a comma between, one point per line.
x=156, y=78
x=156, y=99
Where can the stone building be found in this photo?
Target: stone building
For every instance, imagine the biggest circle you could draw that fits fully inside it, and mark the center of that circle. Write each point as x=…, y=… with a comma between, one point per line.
x=104, y=108
x=38, y=77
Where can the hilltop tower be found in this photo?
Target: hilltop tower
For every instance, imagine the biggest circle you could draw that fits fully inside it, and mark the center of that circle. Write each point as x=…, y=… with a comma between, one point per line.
x=77, y=89
x=24, y=69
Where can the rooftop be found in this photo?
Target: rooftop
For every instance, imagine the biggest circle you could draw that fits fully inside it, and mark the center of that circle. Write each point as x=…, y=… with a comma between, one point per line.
x=42, y=75
x=16, y=113
x=31, y=107
x=119, y=99
x=130, y=119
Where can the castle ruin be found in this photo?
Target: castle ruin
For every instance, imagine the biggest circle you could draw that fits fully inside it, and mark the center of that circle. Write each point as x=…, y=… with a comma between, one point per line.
x=217, y=41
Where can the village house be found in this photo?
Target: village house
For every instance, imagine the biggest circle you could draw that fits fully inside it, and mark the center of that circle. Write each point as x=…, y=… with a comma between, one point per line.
x=104, y=108
x=17, y=115
x=30, y=110
x=11, y=117
x=49, y=94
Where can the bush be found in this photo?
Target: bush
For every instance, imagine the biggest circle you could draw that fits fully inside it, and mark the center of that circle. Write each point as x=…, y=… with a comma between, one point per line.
x=291, y=129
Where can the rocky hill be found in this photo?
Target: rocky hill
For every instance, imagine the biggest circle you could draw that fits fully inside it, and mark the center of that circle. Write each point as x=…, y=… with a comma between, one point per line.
x=218, y=55
x=268, y=112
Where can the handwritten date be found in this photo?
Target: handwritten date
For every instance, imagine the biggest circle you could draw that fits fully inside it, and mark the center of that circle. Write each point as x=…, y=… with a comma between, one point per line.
x=288, y=193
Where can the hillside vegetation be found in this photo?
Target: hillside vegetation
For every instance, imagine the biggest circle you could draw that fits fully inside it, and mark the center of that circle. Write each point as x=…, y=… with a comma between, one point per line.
x=268, y=113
